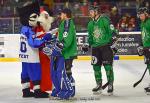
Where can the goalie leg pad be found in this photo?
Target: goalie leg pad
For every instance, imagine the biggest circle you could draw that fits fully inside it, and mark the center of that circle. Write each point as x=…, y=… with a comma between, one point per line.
x=54, y=78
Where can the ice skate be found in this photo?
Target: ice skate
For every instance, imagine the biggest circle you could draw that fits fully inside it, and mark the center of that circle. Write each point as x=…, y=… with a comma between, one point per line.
x=98, y=89
x=110, y=89
x=27, y=93
x=40, y=94
x=147, y=90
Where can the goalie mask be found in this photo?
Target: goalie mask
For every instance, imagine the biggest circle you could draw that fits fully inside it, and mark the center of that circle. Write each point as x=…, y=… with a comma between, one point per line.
x=28, y=14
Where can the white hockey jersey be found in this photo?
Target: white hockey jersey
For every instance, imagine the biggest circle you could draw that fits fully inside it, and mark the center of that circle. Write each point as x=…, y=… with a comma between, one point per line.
x=27, y=53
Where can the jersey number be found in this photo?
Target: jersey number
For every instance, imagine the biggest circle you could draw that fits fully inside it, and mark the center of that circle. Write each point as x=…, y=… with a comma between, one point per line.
x=23, y=47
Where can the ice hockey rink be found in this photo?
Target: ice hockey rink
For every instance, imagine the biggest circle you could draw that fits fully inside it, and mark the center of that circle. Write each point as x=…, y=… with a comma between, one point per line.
x=127, y=72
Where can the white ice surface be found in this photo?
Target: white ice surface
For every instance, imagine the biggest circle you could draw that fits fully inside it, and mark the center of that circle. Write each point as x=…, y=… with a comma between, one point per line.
x=126, y=74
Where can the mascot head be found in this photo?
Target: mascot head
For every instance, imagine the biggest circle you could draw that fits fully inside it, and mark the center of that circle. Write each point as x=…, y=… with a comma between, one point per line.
x=45, y=20
x=28, y=14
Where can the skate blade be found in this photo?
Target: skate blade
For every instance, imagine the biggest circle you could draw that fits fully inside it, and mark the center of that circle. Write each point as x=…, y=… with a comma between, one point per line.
x=98, y=92
x=71, y=98
x=148, y=93
x=53, y=98
x=110, y=94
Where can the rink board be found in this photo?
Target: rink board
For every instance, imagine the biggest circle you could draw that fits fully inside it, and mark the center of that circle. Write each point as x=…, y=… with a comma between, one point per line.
x=135, y=57
x=9, y=44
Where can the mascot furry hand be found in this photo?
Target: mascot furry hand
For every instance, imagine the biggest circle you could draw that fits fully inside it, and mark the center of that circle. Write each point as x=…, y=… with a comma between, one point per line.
x=44, y=25
x=29, y=52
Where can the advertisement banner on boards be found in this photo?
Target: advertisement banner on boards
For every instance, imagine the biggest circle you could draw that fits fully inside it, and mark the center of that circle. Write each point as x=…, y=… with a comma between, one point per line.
x=127, y=43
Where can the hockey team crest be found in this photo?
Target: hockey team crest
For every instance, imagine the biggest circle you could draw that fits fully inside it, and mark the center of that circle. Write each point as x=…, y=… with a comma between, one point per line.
x=96, y=32
x=65, y=34
x=47, y=51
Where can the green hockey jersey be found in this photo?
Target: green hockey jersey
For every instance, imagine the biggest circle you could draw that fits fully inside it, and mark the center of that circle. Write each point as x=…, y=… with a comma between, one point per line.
x=145, y=30
x=99, y=31
x=67, y=35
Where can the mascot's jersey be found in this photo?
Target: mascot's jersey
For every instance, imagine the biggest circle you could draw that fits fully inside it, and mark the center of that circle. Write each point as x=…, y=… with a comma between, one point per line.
x=28, y=51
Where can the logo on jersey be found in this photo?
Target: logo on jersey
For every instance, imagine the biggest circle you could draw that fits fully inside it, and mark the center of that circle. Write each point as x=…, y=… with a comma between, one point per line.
x=112, y=27
x=94, y=60
x=47, y=51
x=65, y=34
x=97, y=33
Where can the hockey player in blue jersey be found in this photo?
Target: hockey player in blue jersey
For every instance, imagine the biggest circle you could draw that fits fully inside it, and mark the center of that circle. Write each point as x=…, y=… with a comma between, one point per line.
x=29, y=54
x=63, y=88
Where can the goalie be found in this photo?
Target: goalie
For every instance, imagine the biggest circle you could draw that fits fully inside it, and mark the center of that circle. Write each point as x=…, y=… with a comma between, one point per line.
x=63, y=88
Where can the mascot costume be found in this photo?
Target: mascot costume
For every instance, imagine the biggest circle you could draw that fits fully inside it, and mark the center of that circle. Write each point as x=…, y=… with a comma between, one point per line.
x=44, y=24
x=29, y=52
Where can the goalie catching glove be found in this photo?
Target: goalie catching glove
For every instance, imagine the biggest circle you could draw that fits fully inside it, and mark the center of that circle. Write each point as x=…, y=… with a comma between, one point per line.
x=59, y=46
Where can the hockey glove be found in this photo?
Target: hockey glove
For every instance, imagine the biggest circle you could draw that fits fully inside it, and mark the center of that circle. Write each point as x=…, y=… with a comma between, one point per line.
x=114, y=39
x=59, y=46
x=85, y=47
x=48, y=50
x=114, y=49
x=140, y=50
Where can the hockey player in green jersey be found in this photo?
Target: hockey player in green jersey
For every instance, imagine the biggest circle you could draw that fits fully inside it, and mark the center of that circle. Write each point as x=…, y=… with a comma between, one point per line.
x=67, y=36
x=100, y=38
x=145, y=30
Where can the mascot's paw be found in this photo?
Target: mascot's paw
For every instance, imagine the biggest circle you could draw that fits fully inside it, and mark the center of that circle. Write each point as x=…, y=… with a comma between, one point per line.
x=40, y=94
x=27, y=93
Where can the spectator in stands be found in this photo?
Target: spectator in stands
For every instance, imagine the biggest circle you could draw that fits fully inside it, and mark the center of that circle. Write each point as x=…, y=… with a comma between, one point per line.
x=114, y=15
x=123, y=24
x=131, y=24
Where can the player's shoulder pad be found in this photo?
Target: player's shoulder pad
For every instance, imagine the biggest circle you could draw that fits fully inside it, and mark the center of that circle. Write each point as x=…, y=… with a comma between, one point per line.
x=104, y=16
x=148, y=20
x=90, y=23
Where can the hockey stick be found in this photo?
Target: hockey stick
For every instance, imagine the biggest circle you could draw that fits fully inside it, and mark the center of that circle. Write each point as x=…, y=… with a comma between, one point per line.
x=135, y=84
x=105, y=85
